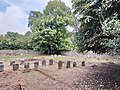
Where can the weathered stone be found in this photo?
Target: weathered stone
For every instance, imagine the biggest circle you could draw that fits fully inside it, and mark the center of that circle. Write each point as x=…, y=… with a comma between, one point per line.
x=43, y=62
x=1, y=62
x=51, y=62
x=22, y=62
x=55, y=55
x=83, y=63
x=15, y=67
x=59, y=55
x=68, y=64
x=36, y=65
x=60, y=64
x=111, y=63
x=26, y=65
x=12, y=62
x=74, y=64
x=93, y=66
x=1, y=68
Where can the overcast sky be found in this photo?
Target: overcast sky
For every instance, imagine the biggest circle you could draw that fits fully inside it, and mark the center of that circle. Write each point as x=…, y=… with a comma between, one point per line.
x=14, y=13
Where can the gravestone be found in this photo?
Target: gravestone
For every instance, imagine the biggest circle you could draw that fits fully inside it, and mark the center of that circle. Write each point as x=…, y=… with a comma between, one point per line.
x=60, y=64
x=12, y=62
x=51, y=62
x=83, y=63
x=22, y=62
x=43, y=62
x=1, y=62
x=36, y=65
x=1, y=68
x=74, y=64
x=68, y=64
x=26, y=65
x=15, y=67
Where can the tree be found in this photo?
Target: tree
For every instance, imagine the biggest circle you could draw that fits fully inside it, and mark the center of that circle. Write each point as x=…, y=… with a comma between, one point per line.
x=1, y=37
x=15, y=41
x=12, y=35
x=32, y=18
x=24, y=41
x=97, y=25
x=49, y=29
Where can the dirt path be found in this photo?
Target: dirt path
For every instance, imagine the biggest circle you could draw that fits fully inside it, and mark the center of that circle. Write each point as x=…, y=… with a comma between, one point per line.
x=105, y=77
x=11, y=81
x=100, y=77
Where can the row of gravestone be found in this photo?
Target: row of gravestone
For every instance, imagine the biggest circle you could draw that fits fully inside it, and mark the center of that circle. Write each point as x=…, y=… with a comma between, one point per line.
x=68, y=64
x=36, y=64
x=26, y=64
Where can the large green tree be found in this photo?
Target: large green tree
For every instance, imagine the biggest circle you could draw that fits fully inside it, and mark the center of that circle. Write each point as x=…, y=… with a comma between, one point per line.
x=50, y=28
x=97, y=25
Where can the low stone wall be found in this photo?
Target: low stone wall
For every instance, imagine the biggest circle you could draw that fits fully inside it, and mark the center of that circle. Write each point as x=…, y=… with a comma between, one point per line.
x=69, y=53
x=18, y=52
x=23, y=52
x=63, y=53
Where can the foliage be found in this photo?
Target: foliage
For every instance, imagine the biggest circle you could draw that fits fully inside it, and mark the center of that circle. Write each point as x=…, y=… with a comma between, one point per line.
x=97, y=25
x=15, y=41
x=32, y=18
x=49, y=29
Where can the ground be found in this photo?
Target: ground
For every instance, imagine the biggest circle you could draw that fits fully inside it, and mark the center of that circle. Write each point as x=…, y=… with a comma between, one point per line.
x=99, y=73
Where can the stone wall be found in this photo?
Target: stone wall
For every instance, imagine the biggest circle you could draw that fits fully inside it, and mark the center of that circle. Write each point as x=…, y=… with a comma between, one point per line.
x=18, y=52
x=21, y=52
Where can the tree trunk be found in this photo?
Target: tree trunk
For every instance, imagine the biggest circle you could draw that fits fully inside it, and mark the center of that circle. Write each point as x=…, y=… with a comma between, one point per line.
x=55, y=51
x=49, y=50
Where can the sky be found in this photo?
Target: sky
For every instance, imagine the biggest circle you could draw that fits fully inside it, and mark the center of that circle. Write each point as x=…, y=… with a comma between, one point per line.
x=14, y=14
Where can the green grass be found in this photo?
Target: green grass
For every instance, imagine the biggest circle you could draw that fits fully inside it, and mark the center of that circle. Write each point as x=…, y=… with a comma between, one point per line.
x=7, y=58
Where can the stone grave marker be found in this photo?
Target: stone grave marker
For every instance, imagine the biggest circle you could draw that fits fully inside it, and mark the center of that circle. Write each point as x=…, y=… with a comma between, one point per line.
x=26, y=65
x=12, y=62
x=51, y=62
x=68, y=64
x=43, y=62
x=1, y=68
x=83, y=63
x=1, y=62
x=60, y=64
x=74, y=64
x=15, y=67
x=36, y=65
x=22, y=61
